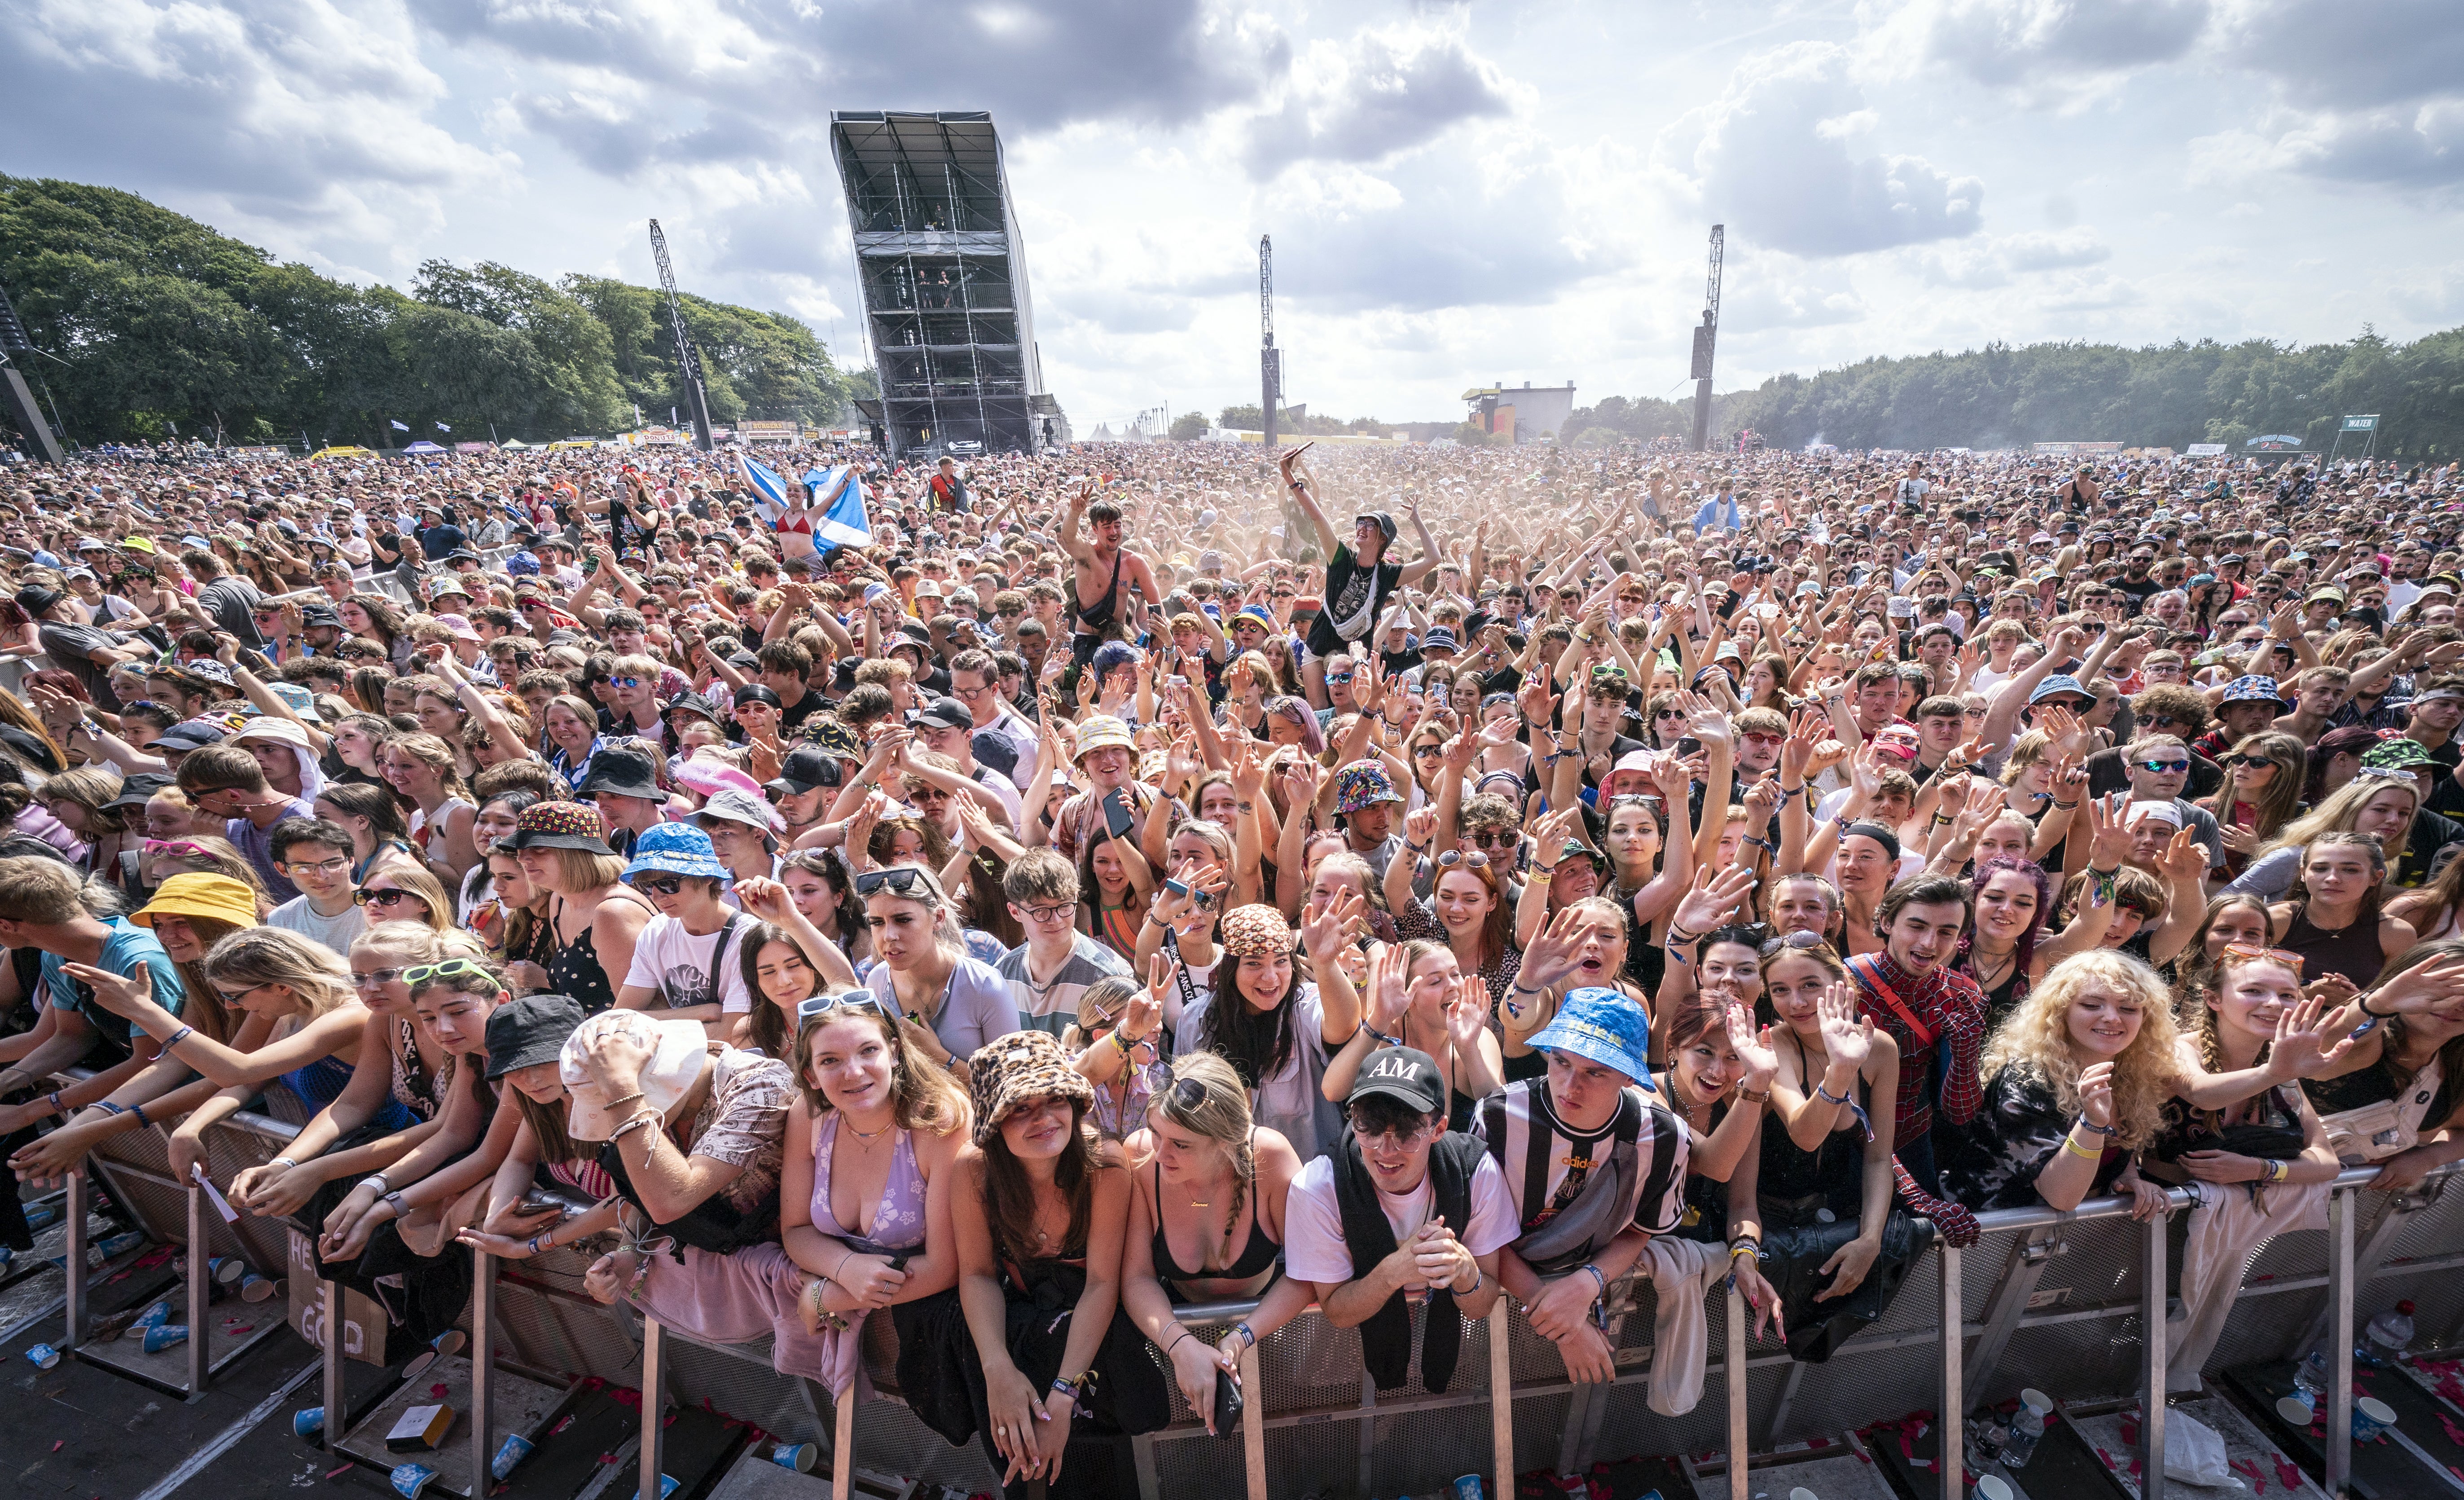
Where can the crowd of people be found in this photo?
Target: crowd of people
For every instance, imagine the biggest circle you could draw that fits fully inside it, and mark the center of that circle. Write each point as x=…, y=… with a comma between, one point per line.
x=1386, y=878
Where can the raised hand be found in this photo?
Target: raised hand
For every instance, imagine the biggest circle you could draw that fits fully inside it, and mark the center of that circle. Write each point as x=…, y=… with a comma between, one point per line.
x=1323, y=933
x=764, y=898
x=2096, y=1092
x=2185, y=858
x=2300, y=1048
x=1419, y=826
x=1847, y=1035
x=1466, y=1011
x=1752, y=1048
x=1552, y=955
x=2109, y=842
x=1716, y=894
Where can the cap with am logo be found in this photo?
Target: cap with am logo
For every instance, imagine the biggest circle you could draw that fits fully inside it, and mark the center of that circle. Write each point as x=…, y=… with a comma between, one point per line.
x=1402, y=1072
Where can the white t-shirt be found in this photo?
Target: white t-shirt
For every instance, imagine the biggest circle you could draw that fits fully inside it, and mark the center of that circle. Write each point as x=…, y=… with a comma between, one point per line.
x=336, y=933
x=678, y=965
x=1314, y=1247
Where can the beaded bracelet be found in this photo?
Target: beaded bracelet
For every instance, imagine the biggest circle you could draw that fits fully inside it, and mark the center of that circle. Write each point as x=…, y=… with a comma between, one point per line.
x=143, y=1122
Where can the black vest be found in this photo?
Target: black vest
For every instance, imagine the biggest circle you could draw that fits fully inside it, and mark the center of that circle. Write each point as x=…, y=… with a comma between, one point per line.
x=1386, y=1338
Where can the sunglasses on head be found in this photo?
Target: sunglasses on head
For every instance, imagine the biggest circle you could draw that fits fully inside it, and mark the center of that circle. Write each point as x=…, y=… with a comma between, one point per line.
x=1782, y=942
x=845, y=999
x=2253, y=953
x=899, y=879
x=444, y=969
x=173, y=846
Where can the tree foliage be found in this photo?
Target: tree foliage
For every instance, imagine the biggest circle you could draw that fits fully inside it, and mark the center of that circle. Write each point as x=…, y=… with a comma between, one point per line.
x=2169, y=395
x=159, y=320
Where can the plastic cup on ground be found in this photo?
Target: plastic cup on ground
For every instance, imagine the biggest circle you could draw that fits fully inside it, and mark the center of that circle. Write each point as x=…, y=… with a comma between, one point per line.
x=165, y=1335
x=1467, y=1486
x=409, y=1479
x=1993, y=1487
x=2371, y=1417
x=514, y=1448
x=2295, y=1410
x=43, y=1356
x=798, y=1456
x=307, y=1422
x=253, y=1287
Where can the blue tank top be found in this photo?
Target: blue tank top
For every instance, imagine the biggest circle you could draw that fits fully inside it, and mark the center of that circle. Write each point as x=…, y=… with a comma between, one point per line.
x=322, y=1082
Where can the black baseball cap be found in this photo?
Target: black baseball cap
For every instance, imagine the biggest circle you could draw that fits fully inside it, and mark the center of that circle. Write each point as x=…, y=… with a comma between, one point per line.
x=806, y=767
x=943, y=713
x=1402, y=1072
x=135, y=790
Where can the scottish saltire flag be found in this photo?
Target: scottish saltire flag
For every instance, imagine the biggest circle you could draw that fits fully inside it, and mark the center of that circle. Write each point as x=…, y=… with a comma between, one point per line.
x=838, y=496
x=770, y=492
x=399, y=426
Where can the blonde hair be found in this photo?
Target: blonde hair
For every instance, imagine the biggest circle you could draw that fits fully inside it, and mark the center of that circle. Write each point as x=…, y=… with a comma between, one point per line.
x=2035, y=1035
x=1221, y=1114
x=418, y=880
x=90, y=787
x=413, y=940
x=260, y=955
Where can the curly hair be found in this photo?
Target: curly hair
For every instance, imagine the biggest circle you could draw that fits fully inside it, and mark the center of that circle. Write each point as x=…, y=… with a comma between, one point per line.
x=2035, y=1035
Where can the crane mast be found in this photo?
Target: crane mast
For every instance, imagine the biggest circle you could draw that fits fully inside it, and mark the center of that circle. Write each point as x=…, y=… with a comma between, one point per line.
x=1705, y=338
x=1270, y=360
x=688, y=357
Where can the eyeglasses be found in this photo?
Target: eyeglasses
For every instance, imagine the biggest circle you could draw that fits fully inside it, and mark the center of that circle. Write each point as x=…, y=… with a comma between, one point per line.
x=2253, y=953
x=845, y=999
x=1455, y=857
x=234, y=995
x=323, y=867
x=899, y=879
x=2162, y=765
x=1759, y=738
x=444, y=969
x=387, y=897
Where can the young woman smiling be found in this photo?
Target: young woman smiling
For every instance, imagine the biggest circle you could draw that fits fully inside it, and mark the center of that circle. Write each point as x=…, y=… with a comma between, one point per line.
x=1417, y=996
x=1277, y=1029
x=1466, y=909
x=786, y=962
x=422, y=768
x=867, y=1172
x=1584, y=946
x=953, y=1004
x=2076, y=1082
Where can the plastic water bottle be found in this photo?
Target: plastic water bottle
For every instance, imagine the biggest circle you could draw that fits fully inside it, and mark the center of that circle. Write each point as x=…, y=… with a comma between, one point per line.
x=1985, y=1440
x=2389, y=1333
x=2026, y=1430
x=2311, y=1375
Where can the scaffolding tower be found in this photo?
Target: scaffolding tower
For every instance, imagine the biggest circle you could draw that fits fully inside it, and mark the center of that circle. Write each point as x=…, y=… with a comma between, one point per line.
x=942, y=271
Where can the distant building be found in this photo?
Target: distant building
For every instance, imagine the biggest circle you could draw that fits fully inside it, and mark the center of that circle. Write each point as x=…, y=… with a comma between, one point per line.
x=1524, y=413
x=942, y=271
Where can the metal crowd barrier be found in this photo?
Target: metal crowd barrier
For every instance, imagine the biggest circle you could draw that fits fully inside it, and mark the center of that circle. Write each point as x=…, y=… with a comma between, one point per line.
x=2072, y=1304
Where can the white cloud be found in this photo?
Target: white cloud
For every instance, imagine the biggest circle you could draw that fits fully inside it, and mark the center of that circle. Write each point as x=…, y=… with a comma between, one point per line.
x=2057, y=53
x=1760, y=159
x=1373, y=96
x=1986, y=263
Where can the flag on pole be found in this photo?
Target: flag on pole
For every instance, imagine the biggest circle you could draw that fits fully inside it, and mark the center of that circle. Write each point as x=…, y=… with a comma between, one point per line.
x=442, y=428
x=399, y=426
x=839, y=495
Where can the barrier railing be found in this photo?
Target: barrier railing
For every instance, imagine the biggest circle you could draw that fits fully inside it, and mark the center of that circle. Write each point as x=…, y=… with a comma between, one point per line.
x=2057, y=1310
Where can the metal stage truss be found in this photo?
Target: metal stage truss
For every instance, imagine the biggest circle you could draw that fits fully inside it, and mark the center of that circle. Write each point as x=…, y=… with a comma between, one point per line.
x=941, y=268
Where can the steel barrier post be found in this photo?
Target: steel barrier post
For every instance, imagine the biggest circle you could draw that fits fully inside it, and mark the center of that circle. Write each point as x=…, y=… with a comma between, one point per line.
x=73, y=1205
x=2152, y=1358
x=2340, y=1330
x=200, y=1285
x=1253, y=1425
x=329, y=1313
x=654, y=1398
x=1501, y=1392
x=1733, y=1378
x=1952, y=1421
x=483, y=1407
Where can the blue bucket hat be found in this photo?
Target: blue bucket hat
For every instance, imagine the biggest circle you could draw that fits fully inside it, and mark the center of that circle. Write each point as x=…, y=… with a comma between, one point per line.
x=676, y=849
x=2254, y=687
x=1602, y=1025
x=2058, y=683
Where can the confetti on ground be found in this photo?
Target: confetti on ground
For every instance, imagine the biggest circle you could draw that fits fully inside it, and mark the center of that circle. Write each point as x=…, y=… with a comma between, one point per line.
x=437, y=1390
x=337, y=1473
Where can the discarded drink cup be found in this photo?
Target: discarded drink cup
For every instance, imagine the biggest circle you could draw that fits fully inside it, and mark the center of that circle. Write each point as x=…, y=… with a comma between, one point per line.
x=514, y=1448
x=666, y=1486
x=2371, y=1417
x=165, y=1335
x=2295, y=1409
x=253, y=1287
x=44, y=1356
x=1467, y=1486
x=798, y=1456
x=120, y=1245
x=409, y=1479
x=154, y=1316
x=308, y=1421
x=227, y=1271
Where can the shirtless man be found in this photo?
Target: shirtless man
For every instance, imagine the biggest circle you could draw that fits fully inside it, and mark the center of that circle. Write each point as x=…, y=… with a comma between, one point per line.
x=1359, y=579
x=1100, y=565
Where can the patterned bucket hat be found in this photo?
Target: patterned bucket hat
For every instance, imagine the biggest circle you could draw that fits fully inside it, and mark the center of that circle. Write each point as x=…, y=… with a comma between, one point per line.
x=1014, y=1068
x=1361, y=784
x=559, y=824
x=1103, y=732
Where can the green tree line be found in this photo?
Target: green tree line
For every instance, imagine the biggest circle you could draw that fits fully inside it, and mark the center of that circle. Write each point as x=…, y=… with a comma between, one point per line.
x=152, y=318
x=2161, y=395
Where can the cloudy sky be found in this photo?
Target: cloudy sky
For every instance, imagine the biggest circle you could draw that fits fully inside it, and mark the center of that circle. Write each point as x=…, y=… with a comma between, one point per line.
x=1458, y=193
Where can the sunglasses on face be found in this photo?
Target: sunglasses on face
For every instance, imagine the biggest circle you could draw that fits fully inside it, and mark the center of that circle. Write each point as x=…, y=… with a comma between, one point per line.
x=625, y=682
x=2243, y=762
x=662, y=885
x=173, y=846
x=1667, y=713
x=2162, y=765
x=445, y=969
x=1395, y=1140
x=385, y=897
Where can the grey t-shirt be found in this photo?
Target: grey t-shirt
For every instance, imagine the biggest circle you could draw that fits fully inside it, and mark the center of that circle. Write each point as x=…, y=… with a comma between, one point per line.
x=975, y=1009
